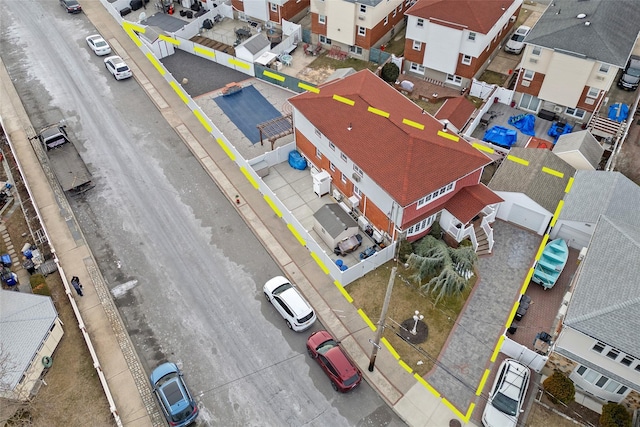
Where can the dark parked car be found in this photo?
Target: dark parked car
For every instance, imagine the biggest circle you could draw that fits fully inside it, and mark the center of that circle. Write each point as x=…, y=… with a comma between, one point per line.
x=631, y=75
x=343, y=374
x=176, y=402
x=72, y=6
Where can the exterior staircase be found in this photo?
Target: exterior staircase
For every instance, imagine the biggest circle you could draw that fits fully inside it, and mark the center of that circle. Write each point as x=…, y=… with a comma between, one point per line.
x=483, y=242
x=602, y=126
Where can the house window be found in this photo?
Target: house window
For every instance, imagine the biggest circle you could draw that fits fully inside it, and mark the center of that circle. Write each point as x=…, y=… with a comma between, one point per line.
x=575, y=112
x=363, y=8
x=417, y=45
x=472, y=37
x=613, y=353
x=318, y=153
x=355, y=50
x=456, y=80
x=599, y=347
x=395, y=11
x=536, y=51
x=357, y=170
x=637, y=368
x=332, y=166
x=528, y=74
x=421, y=226
x=357, y=192
x=318, y=134
x=362, y=31
x=600, y=381
x=436, y=194
x=627, y=360
x=274, y=7
x=322, y=19
x=593, y=93
x=343, y=178
x=332, y=146
x=324, y=40
x=420, y=22
x=417, y=68
x=529, y=102
x=466, y=59
x=604, y=68
x=400, y=7
x=386, y=20
x=343, y=157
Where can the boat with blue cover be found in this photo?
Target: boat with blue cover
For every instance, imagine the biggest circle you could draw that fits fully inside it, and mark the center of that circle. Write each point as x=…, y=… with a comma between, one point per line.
x=551, y=263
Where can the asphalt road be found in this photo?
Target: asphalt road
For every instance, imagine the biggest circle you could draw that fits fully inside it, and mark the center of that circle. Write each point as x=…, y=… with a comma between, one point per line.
x=185, y=271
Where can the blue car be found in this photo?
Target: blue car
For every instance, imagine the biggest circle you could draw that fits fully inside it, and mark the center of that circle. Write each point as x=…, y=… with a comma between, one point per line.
x=176, y=402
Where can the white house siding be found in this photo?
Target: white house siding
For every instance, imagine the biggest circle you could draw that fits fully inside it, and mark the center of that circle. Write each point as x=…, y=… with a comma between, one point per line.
x=341, y=18
x=256, y=9
x=521, y=210
x=576, y=160
x=565, y=79
x=442, y=48
x=374, y=193
x=577, y=235
x=581, y=345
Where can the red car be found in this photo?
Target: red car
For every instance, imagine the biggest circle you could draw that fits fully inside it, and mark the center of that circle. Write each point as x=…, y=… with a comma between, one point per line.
x=341, y=371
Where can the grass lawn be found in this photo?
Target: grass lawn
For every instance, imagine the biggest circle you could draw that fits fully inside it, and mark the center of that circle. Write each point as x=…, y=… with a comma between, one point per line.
x=368, y=293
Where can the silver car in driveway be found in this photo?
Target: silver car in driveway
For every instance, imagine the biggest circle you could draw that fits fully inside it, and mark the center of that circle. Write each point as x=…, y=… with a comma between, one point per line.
x=507, y=395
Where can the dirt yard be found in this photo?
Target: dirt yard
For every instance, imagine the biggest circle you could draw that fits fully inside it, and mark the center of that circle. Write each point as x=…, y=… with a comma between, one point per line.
x=628, y=161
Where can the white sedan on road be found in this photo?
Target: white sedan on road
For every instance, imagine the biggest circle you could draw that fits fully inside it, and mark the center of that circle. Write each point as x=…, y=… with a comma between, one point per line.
x=98, y=45
x=295, y=310
x=117, y=67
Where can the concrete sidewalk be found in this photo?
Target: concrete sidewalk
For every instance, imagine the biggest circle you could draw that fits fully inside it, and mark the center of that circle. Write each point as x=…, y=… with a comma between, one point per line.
x=412, y=400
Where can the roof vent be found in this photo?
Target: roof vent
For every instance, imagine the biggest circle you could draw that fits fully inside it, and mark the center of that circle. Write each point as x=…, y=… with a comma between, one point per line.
x=581, y=15
x=587, y=23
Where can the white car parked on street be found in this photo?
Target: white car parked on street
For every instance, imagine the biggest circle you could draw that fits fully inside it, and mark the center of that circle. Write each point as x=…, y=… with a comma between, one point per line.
x=98, y=45
x=295, y=310
x=507, y=395
x=117, y=67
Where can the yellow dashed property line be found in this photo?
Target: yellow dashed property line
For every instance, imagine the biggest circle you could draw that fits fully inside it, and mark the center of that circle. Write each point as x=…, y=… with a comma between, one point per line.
x=545, y=238
x=202, y=120
x=467, y=417
x=405, y=366
x=483, y=148
x=426, y=384
x=518, y=160
x=273, y=205
x=378, y=112
x=453, y=138
x=319, y=262
x=527, y=280
x=392, y=350
x=308, y=87
x=250, y=178
x=413, y=124
x=569, y=185
x=454, y=409
x=240, y=64
x=557, y=213
x=131, y=30
x=497, y=349
x=297, y=235
x=482, y=381
x=226, y=149
x=203, y=51
x=273, y=75
x=155, y=63
x=344, y=100
x=513, y=313
x=343, y=291
x=179, y=91
x=552, y=172
x=169, y=40
x=366, y=320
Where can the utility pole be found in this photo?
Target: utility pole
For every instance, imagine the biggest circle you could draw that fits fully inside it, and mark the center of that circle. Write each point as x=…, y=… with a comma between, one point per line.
x=383, y=315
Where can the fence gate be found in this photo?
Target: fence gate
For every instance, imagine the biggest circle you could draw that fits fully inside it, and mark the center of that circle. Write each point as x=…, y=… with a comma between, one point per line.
x=378, y=56
x=306, y=35
x=522, y=354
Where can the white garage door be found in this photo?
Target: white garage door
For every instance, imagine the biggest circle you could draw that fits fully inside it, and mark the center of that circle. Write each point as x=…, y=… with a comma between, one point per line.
x=575, y=238
x=526, y=218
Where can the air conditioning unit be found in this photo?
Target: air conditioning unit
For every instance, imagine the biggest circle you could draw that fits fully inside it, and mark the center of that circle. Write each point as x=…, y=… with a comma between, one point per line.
x=557, y=109
x=533, y=60
x=589, y=101
x=526, y=83
x=601, y=78
x=337, y=195
x=356, y=177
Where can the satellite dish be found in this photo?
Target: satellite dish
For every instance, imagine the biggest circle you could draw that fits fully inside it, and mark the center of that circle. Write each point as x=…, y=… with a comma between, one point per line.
x=142, y=16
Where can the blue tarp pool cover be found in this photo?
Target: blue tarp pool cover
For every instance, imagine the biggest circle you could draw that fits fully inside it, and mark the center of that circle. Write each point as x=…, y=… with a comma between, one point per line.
x=558, y=129
x=296, y=161
x=524, y=122
x=618, y=112
x=501, y=136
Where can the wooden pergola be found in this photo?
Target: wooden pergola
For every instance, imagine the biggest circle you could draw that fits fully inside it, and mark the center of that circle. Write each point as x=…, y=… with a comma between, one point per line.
x=275, y=129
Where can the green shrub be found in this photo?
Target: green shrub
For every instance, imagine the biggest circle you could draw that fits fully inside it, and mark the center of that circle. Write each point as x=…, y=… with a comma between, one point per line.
x=436, y=230
x=559, y=388
x=390, y=72
x=404, y=250
x=615, y=415
x=466, y=242
x=39, y=285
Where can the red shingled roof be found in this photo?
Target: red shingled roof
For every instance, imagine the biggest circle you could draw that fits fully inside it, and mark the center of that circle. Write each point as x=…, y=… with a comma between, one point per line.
x=457, y=110
x=405, y=161
x=473, y=15
x=469, y=201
